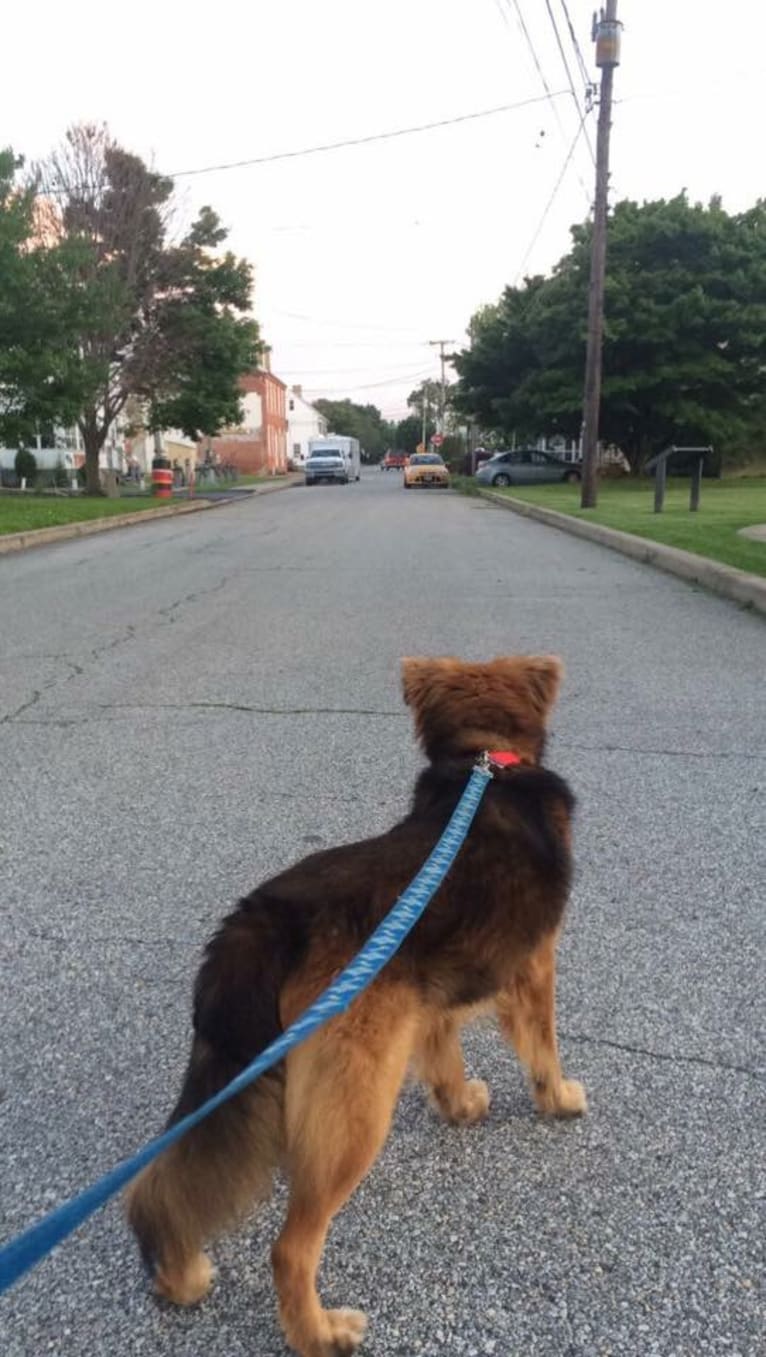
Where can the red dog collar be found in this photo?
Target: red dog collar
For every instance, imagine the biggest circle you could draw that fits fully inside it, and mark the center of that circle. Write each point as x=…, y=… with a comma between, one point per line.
x=503, y=758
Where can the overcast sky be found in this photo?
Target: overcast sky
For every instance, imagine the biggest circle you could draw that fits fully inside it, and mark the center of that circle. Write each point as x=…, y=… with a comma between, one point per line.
x=362, y=255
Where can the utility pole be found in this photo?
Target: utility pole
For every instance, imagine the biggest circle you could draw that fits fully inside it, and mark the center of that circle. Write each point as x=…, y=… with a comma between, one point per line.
x=606, y=34
x=441, y=344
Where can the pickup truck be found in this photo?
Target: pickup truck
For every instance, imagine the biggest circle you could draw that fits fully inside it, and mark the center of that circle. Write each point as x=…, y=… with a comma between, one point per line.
x=394, y=461
x=326, y=465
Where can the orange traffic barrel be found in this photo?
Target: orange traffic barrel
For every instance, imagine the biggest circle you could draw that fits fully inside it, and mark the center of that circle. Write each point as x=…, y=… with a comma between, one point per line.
x=162, y=478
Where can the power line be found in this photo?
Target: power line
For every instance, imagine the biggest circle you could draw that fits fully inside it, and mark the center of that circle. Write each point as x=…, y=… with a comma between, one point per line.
x=366, y=141
x=580, y=111
x=358, y=344
x=532, y=48
x=337, y=372
x=348, y=325
x=368, y=386
x=578, y=50
x=546, y=86
x=550, y=202
x=503, y=14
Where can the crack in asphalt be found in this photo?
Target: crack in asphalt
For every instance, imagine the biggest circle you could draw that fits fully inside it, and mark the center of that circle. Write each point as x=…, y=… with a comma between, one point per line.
x=13, y=717
x=630, y=1049
x=169, y=614
x=66, y=721
x=37, y=693
x=665, y=753
x=171, y=608
x=42, y=935
x=280, y=711
x=127, y=634
x=25, y=706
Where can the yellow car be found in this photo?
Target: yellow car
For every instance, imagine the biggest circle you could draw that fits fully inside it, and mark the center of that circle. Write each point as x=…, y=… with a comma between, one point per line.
x=426, y=468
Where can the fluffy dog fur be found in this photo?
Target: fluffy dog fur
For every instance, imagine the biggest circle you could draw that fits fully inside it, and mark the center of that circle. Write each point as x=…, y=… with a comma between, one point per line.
x=488, y=939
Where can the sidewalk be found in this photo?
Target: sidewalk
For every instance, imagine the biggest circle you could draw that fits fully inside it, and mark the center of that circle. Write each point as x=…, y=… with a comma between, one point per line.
x=738, y=585
x=39, y=537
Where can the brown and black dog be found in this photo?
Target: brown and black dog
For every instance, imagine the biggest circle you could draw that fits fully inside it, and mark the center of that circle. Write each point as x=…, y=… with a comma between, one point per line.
x=487, y=940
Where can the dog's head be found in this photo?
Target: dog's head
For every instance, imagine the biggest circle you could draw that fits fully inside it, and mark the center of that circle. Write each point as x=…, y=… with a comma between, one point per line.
x=464, y=708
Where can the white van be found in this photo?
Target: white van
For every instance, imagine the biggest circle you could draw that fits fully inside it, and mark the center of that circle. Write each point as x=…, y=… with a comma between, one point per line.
x=348, y=448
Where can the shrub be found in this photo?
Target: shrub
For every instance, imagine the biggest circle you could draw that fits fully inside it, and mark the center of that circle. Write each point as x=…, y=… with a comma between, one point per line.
x=25, y=465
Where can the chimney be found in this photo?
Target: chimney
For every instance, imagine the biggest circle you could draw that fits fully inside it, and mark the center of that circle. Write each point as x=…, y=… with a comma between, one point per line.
x=267, y=358
x=298, y=391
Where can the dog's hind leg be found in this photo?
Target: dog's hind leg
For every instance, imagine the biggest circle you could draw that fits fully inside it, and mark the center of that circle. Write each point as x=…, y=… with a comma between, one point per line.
x=341, y=1089
x=439, y=1063
x=527, y=1012
x=209, y=1179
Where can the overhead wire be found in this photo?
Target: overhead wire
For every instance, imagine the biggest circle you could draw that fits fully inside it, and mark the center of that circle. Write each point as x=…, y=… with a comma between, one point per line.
x=548, y=93
x=582, y=112
x=359, y=344
x=373, y=137
x=421, y=374
x=584, y=72
x=348, y=325
x=340, y=372
x=550, y=202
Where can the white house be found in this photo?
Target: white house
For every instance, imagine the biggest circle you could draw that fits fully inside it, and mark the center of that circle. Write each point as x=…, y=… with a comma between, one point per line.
x=62, y=447
x=304, y=422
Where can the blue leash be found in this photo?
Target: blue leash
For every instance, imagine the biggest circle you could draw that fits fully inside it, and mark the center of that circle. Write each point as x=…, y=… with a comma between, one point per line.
x=30, y=1247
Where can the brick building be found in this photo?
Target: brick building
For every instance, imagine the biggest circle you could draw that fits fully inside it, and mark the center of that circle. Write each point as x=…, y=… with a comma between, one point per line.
x=259, y=444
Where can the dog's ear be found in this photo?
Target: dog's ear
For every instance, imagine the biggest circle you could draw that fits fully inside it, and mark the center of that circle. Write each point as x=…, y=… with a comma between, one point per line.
x=417, y=675
x=543, y=675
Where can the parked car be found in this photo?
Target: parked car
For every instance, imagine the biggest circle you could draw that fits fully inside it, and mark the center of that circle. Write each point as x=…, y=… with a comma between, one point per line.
x=473, y=460
x=326, y=465
x=526, y=466
x=394, y=461
x=426, y=468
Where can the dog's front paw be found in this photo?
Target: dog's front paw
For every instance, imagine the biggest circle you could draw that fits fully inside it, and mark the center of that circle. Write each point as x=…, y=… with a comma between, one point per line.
x=469, y=1105
x=346, y=1331
x=573, y=1101
x=186, y=1285
x=566, y=1100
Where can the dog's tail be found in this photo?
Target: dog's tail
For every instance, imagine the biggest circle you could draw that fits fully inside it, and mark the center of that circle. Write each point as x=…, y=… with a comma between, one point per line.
x=210, y=1178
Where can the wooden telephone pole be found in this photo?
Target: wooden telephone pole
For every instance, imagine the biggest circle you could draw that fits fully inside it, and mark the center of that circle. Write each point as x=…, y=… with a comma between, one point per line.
x=606, y=33
x=441, y=345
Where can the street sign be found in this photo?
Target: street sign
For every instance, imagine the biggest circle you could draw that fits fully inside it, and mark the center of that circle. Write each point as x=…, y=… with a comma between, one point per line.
x=437, y=440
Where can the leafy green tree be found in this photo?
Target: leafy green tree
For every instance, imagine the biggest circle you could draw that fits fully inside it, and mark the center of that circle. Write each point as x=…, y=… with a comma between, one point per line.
x=408, y=434
x=364, y=422
x=684, y=342
x=39, y=374
x=428, y=394
x=165, y=322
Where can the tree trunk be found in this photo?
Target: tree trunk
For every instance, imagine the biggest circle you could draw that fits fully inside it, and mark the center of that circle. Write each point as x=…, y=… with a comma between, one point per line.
x=637, y=450
x=93, y=441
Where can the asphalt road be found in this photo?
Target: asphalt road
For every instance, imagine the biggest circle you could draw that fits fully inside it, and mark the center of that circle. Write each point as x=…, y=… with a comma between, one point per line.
x=189, y=705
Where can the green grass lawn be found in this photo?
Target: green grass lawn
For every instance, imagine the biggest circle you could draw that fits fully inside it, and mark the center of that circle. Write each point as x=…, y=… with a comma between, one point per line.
x=22, y=513
x=725, y=506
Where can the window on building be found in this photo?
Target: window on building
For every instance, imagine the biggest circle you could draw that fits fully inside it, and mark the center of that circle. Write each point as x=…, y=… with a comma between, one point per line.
x=296, y=449
x=292, y=404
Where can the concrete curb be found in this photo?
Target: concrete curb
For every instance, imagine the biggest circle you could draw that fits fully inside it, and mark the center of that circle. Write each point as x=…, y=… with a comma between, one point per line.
x=745, y=589
x=64, y=532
